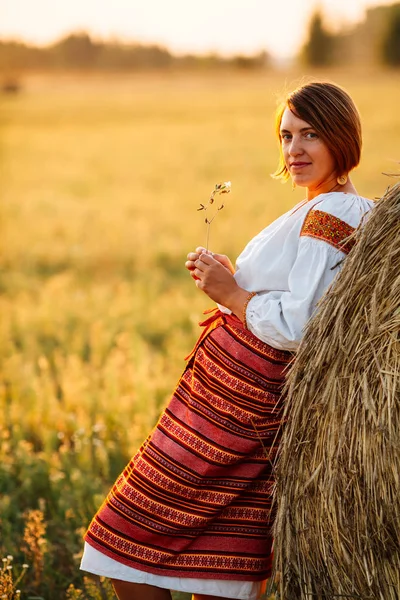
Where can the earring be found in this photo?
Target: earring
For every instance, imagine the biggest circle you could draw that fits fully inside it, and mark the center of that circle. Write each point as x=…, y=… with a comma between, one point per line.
x=342, y=179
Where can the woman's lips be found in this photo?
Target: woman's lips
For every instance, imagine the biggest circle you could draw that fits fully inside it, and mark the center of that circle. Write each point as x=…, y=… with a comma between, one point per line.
x=297, y=166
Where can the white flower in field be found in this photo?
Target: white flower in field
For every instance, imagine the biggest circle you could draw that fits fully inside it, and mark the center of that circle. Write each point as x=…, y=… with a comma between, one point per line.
x=10, y=557
x=97, y=427
x=220, y=188
x=25, y=566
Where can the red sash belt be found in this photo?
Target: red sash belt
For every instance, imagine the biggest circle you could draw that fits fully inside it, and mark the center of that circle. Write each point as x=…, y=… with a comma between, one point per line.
x=211, y=323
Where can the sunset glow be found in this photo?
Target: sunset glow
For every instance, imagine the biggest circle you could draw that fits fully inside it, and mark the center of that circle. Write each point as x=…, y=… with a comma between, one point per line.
x=223, y=26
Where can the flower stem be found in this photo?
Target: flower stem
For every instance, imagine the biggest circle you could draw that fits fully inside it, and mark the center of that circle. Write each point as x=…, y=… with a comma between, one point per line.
x=208, y=234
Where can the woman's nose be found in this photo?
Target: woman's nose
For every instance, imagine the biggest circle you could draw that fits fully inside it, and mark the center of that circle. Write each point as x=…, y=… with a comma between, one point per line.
x=295, y=147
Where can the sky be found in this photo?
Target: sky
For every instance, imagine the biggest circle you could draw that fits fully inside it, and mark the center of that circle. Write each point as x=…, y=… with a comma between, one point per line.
x=198, y=26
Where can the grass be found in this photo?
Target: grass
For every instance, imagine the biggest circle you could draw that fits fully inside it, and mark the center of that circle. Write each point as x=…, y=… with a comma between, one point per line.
x=100, y=180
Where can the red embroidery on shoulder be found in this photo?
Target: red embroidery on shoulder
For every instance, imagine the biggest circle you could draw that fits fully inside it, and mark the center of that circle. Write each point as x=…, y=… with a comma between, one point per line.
x=324, y=226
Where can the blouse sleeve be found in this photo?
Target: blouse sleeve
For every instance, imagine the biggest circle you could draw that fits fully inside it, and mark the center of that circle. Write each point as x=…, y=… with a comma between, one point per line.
x=278, y=317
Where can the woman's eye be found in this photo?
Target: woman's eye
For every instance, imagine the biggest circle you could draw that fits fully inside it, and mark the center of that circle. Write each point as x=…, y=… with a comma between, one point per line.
x=286, y=136
x=311, y=135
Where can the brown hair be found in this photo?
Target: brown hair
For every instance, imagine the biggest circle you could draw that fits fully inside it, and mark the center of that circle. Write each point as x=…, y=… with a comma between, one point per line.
x=334, y=116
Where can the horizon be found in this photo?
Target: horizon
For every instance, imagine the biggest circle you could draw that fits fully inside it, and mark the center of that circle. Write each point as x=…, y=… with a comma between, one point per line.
x=223, y=27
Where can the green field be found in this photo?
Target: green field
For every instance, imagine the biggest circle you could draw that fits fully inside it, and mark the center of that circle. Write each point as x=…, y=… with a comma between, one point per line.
x=100, y=180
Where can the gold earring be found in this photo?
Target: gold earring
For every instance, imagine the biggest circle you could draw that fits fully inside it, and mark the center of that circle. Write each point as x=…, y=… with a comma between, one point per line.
x=342, y=179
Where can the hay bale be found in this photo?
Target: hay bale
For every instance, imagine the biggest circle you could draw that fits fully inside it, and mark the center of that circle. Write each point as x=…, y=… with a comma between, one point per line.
x=337, y=530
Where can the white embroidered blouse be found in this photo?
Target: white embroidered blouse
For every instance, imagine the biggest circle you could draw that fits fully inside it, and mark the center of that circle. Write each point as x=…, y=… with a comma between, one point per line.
x=291, y=263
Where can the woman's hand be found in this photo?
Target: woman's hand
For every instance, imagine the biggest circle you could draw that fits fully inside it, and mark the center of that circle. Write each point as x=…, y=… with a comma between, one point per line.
x=215, y=278
x=221, y=258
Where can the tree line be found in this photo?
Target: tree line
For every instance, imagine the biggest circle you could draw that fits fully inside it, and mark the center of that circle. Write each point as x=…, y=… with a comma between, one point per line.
x=375, y=40
x=80, y=51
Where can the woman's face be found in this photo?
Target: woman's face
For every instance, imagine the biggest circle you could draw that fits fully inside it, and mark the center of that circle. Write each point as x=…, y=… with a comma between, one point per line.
x=308, y=159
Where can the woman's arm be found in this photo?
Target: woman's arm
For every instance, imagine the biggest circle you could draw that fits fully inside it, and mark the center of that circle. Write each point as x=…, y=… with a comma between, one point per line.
x=278, y=317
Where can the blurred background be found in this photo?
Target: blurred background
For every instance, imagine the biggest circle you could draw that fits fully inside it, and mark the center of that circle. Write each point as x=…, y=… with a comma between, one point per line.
x=116, y=121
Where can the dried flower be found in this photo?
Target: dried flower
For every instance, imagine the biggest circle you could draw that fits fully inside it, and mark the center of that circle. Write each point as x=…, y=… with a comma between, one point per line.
x=220, y=188
x=34, y=542
x=8, y=583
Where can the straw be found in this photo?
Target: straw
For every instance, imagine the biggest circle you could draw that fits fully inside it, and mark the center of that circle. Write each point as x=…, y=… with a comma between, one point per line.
x=337, y=530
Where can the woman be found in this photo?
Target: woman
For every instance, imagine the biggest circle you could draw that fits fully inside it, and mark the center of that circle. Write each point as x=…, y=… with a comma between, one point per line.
x=192, y=510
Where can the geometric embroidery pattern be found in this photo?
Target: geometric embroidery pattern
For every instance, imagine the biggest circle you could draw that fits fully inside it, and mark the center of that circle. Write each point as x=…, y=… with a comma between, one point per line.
x=324, y=226
x=196, y=499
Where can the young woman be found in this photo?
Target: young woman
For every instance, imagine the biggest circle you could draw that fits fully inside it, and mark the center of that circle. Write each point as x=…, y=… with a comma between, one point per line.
x=192, y=509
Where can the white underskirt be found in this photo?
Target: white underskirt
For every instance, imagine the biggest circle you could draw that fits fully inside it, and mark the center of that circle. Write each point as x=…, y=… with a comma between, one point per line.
x=98, y=563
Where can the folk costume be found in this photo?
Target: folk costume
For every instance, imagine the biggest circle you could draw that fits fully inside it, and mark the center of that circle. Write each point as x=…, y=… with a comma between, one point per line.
x=192, y=510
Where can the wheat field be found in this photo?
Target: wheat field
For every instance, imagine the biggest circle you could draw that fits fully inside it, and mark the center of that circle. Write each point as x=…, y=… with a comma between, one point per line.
x=100, y=181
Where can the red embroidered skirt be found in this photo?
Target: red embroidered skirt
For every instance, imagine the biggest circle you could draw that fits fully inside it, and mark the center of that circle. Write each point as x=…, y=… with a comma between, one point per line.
x=195, y=500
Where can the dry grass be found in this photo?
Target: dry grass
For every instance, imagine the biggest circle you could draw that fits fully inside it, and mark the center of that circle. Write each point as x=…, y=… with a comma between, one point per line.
x=337, y=531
